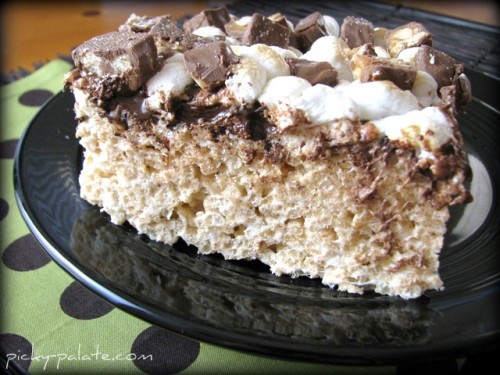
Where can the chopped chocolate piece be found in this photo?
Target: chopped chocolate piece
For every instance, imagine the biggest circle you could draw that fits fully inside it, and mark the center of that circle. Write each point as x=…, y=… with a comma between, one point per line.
x=372, y=68
x=356, y=31
x=412, y=34
x=166, y=29
x=128, y=58
x=292, y=41
x=438, y=64
x=313, y=71
x=448, y=95
x=162, y=27
x=208, y=64
x=217, y=17
x=169, y=38
x=463, y=87
x=281, y=19
x=309, y=29
x=261, y=29
x=458, y=94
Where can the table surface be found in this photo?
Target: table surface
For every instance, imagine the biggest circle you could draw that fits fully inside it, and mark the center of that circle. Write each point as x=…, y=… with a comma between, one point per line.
x=37, y=32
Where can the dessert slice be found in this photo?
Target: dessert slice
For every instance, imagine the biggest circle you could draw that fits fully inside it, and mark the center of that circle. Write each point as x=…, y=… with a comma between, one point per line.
x=323, y=150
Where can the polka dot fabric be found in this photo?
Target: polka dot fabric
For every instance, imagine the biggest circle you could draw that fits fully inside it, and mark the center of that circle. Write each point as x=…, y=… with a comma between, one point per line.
x=51, y=324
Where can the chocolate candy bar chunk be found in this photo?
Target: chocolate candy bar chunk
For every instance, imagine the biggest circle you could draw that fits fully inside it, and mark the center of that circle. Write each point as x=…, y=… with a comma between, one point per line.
x=372, y=68
x=281, y=19
x=217, y=17
x=438, y=64
x=261, y=29
x=356, y=31
x=208, y=64
x=309, y=29
x=412, y=34
x=458, y=94
x=167, y=35
x=125, y=60
x=462, y=83
x=313, y=71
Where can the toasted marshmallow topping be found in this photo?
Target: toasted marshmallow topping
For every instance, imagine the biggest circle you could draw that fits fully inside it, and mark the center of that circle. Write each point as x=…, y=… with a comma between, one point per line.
x=384, y=76
x=425, y=89
x=282, y=89
x=379, y=99
x=247, y=81
x=331, y=25
x=290, y=52
x=209, y=31
x=323, y=105
x=268, y=58
x=408, y=55
x=292, y=101
x=172, y=77
x=426, y=129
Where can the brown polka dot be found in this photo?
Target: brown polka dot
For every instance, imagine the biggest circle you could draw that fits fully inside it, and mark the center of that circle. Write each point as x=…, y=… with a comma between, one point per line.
x=157, y=351
x=35, y=98
x=4, y=209
x=16, y=351
x=91, y=13
x=8, y=148
x=25, y=254
x=79, y=303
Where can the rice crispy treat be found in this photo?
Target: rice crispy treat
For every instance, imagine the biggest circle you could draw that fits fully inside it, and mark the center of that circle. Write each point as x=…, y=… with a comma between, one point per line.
x=323, y=149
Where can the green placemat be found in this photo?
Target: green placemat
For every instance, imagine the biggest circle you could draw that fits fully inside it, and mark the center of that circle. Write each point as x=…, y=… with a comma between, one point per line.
x=52, y=324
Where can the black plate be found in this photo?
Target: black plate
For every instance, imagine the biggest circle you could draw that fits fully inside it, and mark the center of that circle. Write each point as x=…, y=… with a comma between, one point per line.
x=242, y=305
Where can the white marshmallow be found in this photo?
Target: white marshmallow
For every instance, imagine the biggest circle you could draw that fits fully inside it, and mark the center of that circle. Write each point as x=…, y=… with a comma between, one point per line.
x=284, y=97
x=381, y=52
x=427, y=129
x=425, y=89
x=297, y=52
x=323, y=105
x=172, y=77
x=379, y=99
x=379, y=37
x=289, y=52
x=208, y=31
x=331, y=25
x=268, y=58
x=330, y=49
x=230, y=41
x=247, y=81
x=176, y=57
x=408, y=55
x=277, y=96
x=243, y=21
x=282, y=89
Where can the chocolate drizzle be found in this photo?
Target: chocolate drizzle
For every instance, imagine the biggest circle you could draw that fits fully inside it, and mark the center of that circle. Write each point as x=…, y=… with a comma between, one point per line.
x=245, y=123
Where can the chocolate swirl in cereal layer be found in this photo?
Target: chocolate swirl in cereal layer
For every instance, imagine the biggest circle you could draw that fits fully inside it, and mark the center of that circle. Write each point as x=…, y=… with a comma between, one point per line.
x=322, y=149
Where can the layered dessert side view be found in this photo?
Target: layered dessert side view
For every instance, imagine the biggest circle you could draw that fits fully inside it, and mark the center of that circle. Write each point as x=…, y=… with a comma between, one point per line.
x=327, y=148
